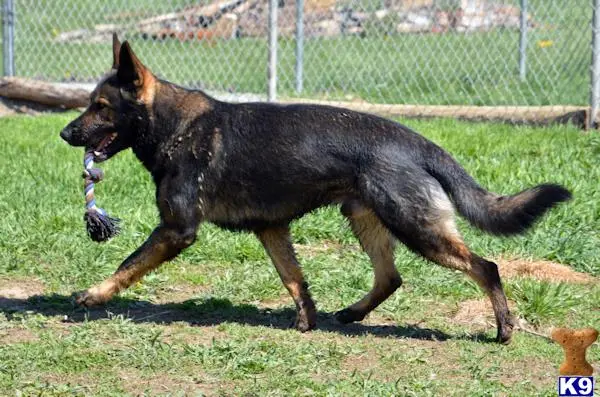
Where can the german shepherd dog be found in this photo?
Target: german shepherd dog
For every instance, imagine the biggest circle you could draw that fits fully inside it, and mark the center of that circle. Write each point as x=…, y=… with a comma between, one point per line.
x=258, y=166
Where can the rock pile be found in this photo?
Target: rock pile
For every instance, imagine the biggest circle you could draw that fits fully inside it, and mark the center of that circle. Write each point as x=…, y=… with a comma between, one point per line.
x=229, y=19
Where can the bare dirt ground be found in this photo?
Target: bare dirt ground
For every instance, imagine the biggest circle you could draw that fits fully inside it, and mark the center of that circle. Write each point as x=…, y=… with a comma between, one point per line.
x=543, y=271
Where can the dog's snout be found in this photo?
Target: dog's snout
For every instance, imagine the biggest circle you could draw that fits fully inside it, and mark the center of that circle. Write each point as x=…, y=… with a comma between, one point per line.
x=66, y=134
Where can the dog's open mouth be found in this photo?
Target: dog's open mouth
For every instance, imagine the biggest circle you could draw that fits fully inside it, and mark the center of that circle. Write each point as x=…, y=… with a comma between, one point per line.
x=101, y=152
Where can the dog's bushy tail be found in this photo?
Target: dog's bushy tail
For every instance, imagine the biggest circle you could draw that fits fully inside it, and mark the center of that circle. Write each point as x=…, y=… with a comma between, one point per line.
x=501, y=215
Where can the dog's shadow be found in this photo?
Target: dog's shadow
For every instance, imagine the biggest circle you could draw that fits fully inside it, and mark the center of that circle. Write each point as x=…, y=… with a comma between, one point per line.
x=209, y=312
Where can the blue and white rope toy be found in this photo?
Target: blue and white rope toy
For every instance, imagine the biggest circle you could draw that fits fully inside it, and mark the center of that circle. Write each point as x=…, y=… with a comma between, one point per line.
x=100, y=226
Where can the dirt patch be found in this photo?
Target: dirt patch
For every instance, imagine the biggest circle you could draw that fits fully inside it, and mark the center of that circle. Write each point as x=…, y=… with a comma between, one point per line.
x=380, y=359
x=283, y=300
x=15, y=290
x=367, y=361
x=389, y=360
x=542, y=270
x=540, y=372
x=477, y=313
x=377, y=319
x=79, y=384
x=16, y=335
x=135, y=383
x=179, y=293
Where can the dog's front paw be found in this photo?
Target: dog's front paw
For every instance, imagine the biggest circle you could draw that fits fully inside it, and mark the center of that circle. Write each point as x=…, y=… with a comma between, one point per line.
x=305, y=321
x=347, y=316
x=90, y=297
x=505, y=330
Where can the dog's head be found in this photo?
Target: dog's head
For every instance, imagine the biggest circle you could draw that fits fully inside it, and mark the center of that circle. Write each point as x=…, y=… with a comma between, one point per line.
x=119, y=107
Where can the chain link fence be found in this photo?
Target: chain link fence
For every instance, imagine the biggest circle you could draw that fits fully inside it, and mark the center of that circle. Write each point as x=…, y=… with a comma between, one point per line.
x=407, y=57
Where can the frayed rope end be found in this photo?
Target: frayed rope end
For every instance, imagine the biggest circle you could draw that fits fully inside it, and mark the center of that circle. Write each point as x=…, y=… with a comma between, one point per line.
x=101, y=227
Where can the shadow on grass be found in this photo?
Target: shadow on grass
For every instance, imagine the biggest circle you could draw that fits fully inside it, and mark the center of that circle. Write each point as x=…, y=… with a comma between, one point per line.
x=208, y=312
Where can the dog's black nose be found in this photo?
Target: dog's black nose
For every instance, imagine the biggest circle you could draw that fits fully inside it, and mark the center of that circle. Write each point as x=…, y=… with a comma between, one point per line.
x=66, y=134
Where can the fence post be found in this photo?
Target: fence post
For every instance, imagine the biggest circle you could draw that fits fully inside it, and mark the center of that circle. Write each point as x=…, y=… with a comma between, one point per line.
x=595, y=69
x=272, y=68
x=8, y=37
x=523, y=41
x=299, y=44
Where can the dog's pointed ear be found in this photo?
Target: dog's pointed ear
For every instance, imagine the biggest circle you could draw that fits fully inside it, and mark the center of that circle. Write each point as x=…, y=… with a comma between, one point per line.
x=134, y=77
x=131, y=70
x=116, y=44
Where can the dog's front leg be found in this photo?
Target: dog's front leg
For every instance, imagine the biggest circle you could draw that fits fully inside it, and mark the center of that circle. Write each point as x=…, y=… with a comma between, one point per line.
x=164, y=243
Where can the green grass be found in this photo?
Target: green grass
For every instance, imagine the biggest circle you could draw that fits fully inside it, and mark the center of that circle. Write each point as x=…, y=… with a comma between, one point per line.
x=383, y=67
x=215, y=319
x=537, y=302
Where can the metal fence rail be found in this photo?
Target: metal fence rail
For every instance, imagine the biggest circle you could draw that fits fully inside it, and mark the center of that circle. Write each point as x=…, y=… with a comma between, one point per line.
x=422, y=55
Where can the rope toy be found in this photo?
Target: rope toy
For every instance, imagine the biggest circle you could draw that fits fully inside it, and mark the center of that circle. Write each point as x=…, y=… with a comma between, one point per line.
x=100, y=227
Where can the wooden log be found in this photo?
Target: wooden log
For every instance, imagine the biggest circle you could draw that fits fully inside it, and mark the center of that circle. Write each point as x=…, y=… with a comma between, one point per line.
x=55, y=94
x=535, y=115
x=45, y=93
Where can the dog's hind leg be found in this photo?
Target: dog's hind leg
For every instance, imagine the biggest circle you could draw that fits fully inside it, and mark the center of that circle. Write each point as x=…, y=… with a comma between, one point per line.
x=378, y=243
x=420, y=214
x=278, y=245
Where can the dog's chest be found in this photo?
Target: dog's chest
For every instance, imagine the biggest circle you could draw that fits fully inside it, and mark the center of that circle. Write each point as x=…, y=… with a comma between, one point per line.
x=234, y=207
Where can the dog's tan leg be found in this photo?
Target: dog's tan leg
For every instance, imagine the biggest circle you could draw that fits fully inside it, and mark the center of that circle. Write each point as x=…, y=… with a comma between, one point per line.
x=278, y=245
x=450, y=251
x=486, y=274
x=379, y=244
x=435, y=236
x=163, y=244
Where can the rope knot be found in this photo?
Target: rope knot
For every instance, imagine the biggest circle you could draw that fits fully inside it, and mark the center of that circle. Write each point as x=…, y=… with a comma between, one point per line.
x=100, y=226
x=95, y=174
